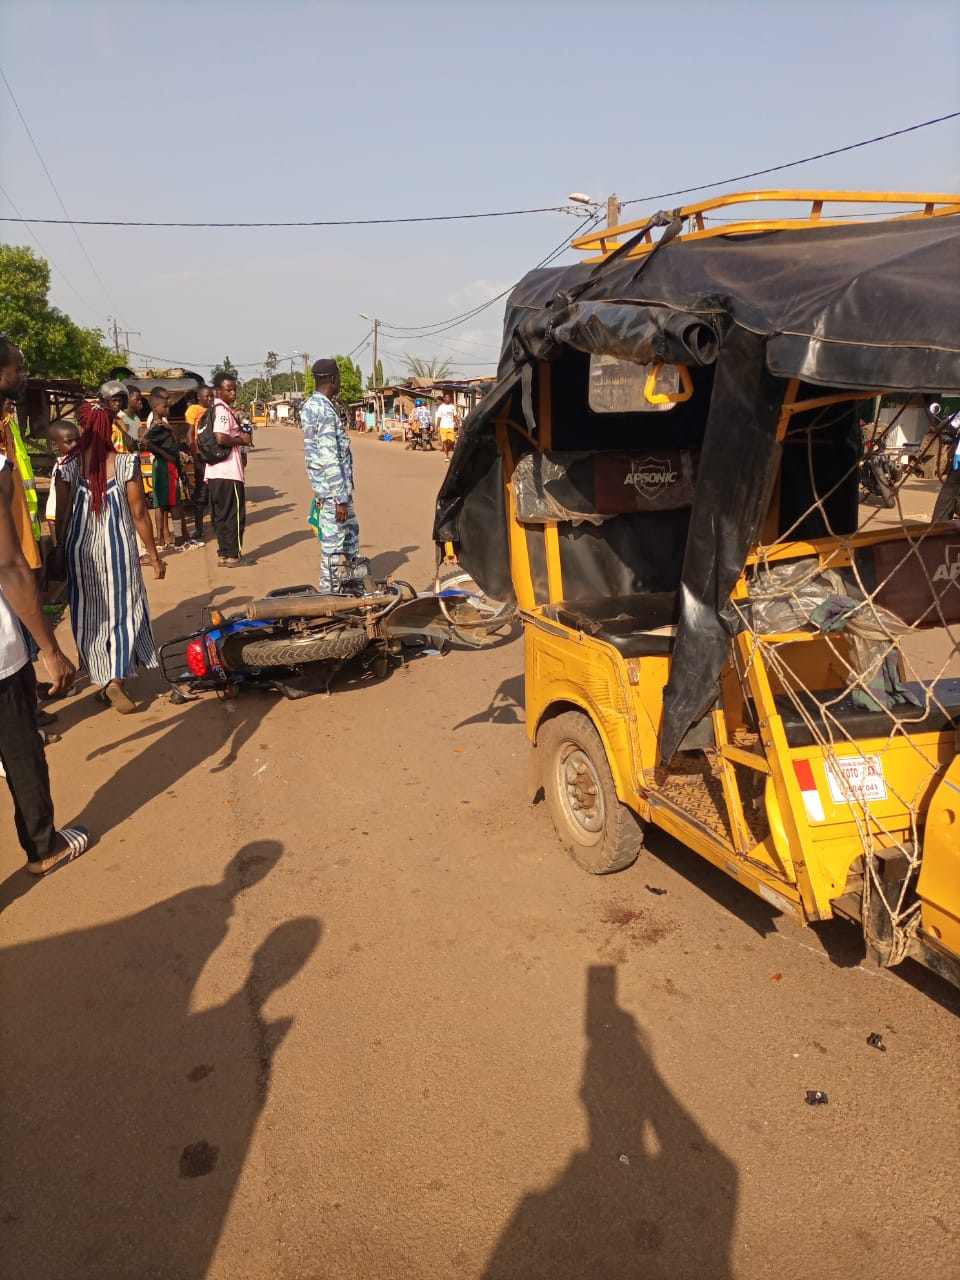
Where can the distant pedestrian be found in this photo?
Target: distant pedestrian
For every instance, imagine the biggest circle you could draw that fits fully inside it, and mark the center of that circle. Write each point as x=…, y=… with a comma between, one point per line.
x=420, y=426
x=193, y=415
x=448, y=421
x=100, y=505
x=329, y=462
x=228, y=504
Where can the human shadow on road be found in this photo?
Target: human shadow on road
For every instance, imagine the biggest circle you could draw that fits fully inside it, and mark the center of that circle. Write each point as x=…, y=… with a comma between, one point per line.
x=650, y=1197
x=205, y=733
x=283, y=543
x=505, y=707
x=259, y=514
x=388, y=562
x=127, y=1111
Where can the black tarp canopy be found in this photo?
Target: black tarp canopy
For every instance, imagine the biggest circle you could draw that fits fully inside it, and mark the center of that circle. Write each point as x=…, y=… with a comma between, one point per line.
x=867, y=307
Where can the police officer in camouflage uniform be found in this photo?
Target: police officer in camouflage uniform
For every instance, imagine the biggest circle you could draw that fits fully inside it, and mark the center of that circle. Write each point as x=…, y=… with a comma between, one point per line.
x=326, y=447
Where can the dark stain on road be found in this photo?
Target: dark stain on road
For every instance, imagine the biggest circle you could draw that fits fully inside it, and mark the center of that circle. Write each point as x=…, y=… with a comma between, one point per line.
x=198, y=1159
x=199, y=1073
x=642, y=927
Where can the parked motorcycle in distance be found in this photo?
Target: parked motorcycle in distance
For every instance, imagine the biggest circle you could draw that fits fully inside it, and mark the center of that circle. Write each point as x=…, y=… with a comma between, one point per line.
x=880, y=473
x=295, y=640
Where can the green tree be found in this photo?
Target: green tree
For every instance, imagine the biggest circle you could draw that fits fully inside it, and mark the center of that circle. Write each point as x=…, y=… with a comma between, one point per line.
x=309, y=384
x=271, y=363
x=351, y=379
x=252, y=389
x=417, y=367
x=226, y=365
x=52, y=344
x=376, y=378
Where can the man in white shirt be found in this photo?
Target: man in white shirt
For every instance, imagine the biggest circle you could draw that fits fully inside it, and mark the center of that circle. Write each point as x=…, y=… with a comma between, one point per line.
x=21, y=747
x=447, y=424
x=228, y=503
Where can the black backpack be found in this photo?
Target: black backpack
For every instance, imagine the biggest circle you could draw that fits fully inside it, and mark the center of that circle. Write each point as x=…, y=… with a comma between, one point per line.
x=207, y=445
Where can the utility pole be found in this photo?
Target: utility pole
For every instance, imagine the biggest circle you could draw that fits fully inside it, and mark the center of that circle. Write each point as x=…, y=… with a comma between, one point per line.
x=116, y=335
x=376, y=334
x=613, y=211
x=126, y=334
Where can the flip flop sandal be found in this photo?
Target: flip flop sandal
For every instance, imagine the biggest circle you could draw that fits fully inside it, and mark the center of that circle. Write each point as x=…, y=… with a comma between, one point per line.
x=119, y=699
x=77, y=840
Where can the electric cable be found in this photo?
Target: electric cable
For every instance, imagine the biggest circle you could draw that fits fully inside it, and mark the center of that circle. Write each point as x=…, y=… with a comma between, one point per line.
x=792, y=164
x=463, y=217
x=43, y=164
x=47, y=256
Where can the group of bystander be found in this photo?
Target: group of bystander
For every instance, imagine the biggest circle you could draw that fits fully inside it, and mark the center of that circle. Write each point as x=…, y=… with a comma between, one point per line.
x=101, y=536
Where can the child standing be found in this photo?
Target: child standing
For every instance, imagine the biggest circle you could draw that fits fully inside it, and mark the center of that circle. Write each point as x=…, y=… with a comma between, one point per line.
x=168, y=482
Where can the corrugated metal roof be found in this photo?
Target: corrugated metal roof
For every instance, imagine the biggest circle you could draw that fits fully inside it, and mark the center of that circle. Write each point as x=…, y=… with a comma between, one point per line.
x=175, y=386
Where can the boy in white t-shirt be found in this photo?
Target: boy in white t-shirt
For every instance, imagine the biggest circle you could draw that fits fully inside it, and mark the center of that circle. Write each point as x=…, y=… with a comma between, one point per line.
x=63, y=435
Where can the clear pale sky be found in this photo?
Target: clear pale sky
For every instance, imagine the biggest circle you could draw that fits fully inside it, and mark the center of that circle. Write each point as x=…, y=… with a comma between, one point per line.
x=246, y=111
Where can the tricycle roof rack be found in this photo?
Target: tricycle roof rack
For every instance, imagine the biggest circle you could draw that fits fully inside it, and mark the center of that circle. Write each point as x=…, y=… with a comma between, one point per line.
x=605, y=240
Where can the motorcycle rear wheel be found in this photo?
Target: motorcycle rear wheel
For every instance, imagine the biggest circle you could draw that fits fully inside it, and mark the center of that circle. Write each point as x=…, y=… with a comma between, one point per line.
x=326, y=646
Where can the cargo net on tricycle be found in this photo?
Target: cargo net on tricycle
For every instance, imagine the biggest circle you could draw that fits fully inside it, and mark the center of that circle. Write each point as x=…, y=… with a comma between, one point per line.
x=847, y=650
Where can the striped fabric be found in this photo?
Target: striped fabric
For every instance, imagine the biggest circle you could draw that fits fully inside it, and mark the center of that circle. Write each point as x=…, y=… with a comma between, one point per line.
x=108, y=601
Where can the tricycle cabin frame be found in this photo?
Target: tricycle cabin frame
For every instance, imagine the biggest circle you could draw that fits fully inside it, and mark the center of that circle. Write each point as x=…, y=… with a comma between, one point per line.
x=760, y=789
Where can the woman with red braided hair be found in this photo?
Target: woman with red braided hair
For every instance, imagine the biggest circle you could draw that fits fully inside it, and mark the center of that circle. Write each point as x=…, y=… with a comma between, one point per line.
x=100, y=510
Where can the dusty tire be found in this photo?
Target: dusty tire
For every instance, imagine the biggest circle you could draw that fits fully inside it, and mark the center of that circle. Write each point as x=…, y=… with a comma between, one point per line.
x=328, y=646
x=600, y=834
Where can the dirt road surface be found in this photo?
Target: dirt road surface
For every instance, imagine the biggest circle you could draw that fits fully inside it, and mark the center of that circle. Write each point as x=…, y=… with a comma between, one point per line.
x=327, y=1001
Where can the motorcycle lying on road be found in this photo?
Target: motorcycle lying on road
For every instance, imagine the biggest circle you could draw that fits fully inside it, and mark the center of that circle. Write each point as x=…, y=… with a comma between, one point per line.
x=295, y=640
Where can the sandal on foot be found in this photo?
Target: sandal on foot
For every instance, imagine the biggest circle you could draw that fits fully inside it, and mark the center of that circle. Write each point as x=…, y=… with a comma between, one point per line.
x=77, y=840
x=119, y=699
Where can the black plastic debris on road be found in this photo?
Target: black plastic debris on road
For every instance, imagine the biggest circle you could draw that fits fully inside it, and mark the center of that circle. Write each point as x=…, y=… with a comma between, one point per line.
x=875, y=1041
x=816, y=1098
x=652, y=888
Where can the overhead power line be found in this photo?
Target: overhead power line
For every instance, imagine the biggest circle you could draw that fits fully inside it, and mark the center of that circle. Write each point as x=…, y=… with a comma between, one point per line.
x=33, y=236
x=791, y=164
x=314, y=222
x=463, y=217
x=416, y=332
x=66, y=216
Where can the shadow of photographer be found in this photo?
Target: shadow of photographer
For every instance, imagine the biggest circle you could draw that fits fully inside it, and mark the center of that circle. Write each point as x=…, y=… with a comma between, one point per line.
x=127, y=1113
x=651, y=1196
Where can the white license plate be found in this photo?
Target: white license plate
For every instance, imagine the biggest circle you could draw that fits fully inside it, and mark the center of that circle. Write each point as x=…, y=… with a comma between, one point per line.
x=857, y=778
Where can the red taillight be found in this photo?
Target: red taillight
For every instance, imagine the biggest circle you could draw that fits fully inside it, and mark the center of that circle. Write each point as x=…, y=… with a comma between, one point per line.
x=196, y=659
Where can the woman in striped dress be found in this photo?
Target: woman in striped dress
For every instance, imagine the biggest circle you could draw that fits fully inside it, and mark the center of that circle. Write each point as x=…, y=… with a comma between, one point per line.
x=100, y=510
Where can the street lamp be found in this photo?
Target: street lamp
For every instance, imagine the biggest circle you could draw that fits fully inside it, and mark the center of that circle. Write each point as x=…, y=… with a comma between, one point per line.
x=613, y=205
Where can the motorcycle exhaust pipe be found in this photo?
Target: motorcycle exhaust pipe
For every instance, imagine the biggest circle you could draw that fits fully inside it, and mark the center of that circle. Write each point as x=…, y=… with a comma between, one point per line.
x=312, y=606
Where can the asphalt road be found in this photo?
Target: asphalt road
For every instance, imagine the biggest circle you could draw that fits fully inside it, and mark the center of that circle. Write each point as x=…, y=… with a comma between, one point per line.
x=327, y=1001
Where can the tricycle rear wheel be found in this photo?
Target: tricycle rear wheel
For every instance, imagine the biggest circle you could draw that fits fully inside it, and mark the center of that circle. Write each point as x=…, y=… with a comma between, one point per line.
x=599, y=832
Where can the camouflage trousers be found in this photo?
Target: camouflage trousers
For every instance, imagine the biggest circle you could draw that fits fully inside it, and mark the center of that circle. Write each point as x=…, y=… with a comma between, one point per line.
x=340, y=542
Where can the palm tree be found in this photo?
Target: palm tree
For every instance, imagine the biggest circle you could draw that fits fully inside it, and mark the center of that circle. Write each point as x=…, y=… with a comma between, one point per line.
x=434, y=368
